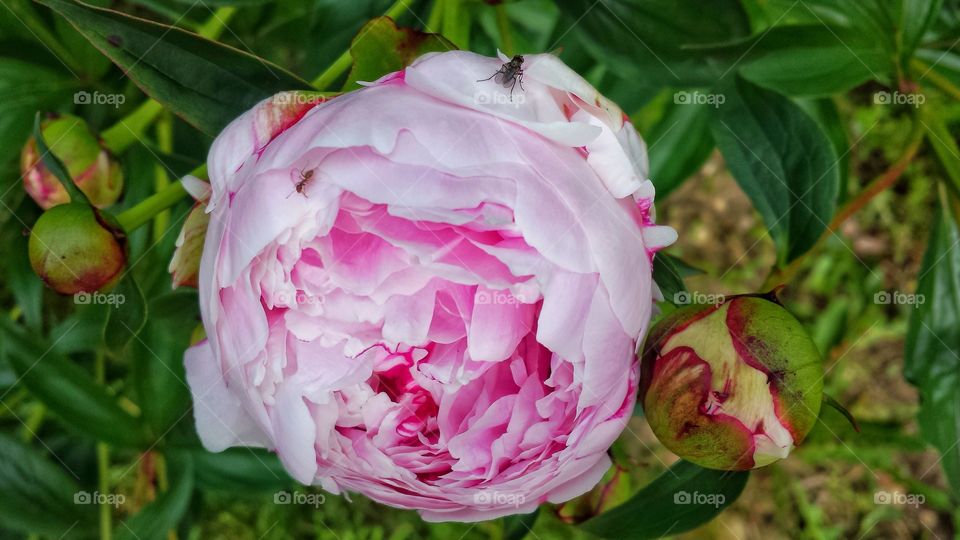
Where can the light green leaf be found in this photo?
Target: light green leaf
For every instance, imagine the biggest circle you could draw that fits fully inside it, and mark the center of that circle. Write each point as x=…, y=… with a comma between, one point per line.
x=381, y=47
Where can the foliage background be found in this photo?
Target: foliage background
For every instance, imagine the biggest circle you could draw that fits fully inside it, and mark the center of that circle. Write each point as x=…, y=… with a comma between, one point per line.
x=810, y=123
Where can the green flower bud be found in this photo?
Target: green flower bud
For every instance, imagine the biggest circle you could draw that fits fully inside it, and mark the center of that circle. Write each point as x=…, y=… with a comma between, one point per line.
x=733, y=386
x=77, y=248
x=94, y=170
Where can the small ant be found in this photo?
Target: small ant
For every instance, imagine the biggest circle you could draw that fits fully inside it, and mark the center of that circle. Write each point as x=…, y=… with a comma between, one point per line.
x=509, y=74
x=301, y=187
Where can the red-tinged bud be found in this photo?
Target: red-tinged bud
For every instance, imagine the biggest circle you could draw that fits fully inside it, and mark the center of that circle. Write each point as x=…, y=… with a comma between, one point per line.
x=732, y=386
x=77, y=248
x=91, y=166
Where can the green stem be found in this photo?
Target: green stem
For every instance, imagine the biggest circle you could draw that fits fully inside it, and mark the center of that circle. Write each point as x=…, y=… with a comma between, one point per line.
x=161, y=179
x=103, y=460
x=436, y=17
x=503, y=26
x=456, y=24
x=129, y=129
x=24, y=12
x=144, y=211
x=344, y=61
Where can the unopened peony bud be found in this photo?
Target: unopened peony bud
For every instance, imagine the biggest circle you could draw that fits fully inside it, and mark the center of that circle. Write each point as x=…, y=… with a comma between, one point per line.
x=733, y=386
x=77, y=248
x=91, y=166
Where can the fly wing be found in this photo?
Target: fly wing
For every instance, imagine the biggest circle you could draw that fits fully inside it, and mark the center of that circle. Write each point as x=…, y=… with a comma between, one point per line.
x=502, y=78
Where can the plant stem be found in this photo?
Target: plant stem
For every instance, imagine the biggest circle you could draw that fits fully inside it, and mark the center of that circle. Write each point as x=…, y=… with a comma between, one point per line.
x=343, y=63
x=874, y=188
x=503, y=26
x=161, y=179
x=128, y=129
x=144, y=211
x=456, y=25
x=24, y=12
x=435, y=17
x=103, y=459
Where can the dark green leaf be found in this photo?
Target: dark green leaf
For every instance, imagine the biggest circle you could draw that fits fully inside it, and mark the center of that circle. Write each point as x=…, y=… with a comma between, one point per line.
x=381, y=47
x=158, y=373
x=648, y=39
x=680, y=142
x=682, y=498
x=917, y=16
x=127, y=316
x=806, y=60
x=163, y=514
x=932, y=353
x=37, y=495
x=22, y=282
x=668, y=276
x=207, y=83
x=518, y=526
x=24, y=89
x=67, y=390
x=240, y=470
x=782, y=160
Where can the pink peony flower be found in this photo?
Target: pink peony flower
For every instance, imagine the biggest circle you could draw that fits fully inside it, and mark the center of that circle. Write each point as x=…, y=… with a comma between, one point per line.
x=427, y=292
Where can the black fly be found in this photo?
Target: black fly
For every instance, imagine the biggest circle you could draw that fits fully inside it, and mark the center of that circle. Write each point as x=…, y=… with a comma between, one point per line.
x=509, y=74
x=305, y=177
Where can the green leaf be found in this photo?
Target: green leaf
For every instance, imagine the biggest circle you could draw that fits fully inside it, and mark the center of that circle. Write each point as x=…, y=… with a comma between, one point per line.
x=37, y=495
x=940, y=138
x=679, y=143
x=54, y=165
x=207, y=83
x=668, y=275
x=649, y=40
x=518, y=526
x=782, y=160
x=240, y=470
x=810, y=60
x=127, y=316
x=682, y=498
x=24, y=89
x=67, y=389
x=917, y=16
x=381, y=47
x=932, y=352
x=164, y=513
x=158, y=373
x=21, y=280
